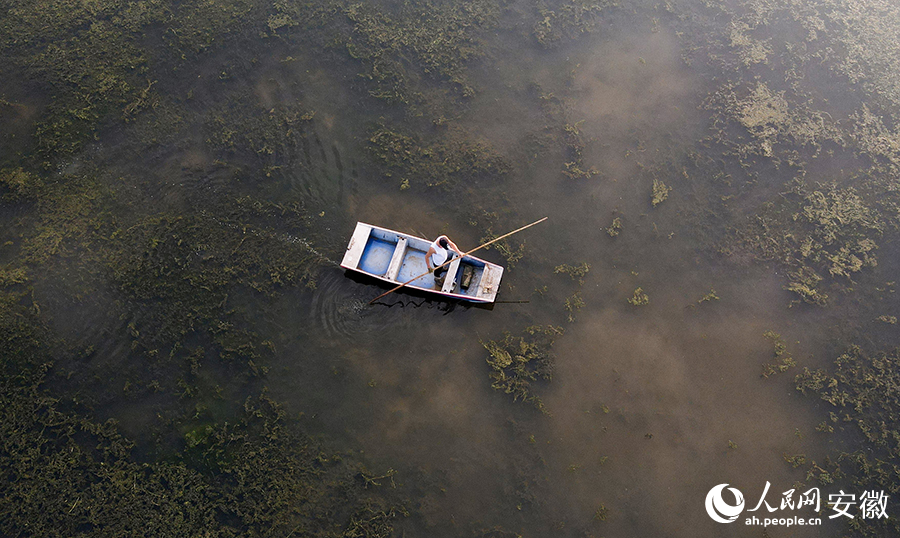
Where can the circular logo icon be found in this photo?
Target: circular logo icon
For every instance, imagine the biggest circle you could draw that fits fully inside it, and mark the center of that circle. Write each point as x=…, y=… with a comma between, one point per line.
x=720, y=510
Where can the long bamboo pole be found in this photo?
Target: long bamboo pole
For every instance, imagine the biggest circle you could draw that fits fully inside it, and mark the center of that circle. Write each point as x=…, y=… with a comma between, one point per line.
x=451, y=259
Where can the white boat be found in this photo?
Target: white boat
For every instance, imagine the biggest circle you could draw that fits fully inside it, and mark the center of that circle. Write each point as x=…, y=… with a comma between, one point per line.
x=396, y=257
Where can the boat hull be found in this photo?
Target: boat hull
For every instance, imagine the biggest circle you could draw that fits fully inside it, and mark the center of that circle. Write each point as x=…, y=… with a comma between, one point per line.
x=396, y=258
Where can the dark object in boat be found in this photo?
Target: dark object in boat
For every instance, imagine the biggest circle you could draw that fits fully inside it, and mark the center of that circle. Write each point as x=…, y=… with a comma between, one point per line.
x=468, y=273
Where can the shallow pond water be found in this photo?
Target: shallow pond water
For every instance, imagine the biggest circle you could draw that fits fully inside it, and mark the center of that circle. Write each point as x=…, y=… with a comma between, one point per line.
x=657, y=390
x=649, y=407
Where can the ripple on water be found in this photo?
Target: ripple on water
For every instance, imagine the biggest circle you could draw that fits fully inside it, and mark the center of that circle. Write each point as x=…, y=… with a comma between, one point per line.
x=340, y=306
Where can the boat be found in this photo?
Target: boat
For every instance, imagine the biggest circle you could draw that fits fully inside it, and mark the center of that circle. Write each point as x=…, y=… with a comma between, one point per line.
x=396, y=258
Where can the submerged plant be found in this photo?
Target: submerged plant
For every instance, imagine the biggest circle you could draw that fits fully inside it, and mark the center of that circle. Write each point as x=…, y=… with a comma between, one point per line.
x=614, y=228
x=784, y=359
x=573, y=305
x=639, y=298
x=518, y=363
x=576, y=272
x=567, y=20
x=827, y=230
x=711, y=296
x=861, y=389
x=450, y=162
x=660, y=192
x=18, y=185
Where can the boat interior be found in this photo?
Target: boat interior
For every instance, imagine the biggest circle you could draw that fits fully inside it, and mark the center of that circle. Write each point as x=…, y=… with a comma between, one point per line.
x=399, y=258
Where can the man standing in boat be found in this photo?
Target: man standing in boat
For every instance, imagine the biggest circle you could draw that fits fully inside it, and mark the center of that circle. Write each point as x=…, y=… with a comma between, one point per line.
x=440, y=251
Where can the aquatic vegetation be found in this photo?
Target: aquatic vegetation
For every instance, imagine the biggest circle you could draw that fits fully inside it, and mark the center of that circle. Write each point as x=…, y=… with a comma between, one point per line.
x=441, y=36
x=518, y=363
x=842, y=221
x=189, y=269
x=182, y=269
x=275, y=137
x=562, y=133
x=573, y=305
x=639, y=298
x=69, y=475
x=401, y=50
x=174, y=273
x=867, y=33
x=567, y=20
x=828, y=228
x=575, y=272
x=19, y=185
x=574, y=167
x=803, y=282
x=511, y=254
x=198, y=26
x=660, y=192
x=861, y=389
x=78, y=477
x=750, y=50
x=825, y=427
x=711, y=296
x=784, y=359
x=450, y=162
x=614, y=228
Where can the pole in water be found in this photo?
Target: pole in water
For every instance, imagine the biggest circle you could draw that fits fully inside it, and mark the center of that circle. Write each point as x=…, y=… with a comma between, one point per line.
x=463, y=256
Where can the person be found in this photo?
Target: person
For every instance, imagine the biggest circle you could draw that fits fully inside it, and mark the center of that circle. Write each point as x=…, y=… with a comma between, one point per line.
x=440, y=251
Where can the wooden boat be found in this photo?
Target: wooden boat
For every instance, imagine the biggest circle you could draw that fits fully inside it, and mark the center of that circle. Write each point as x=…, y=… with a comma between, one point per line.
x=396, y=257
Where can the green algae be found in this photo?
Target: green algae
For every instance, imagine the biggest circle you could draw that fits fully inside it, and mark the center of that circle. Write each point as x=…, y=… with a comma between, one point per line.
x=709, y=297
x=559, y=22
x=241, y=129
x=828, y=229
x=784, y=360
x=89, y=57
x=575, y=272
x=518, y=364
x=615, y=227
x=861, y=391
x=639, y=298
x=659, y=193
x=66, y=474
x=182, y=269
x=18, y=185
x=446, y=162
x=69, y=476
x=573, y=304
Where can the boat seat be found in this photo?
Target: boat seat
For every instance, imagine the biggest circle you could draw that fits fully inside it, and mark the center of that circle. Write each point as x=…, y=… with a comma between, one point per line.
x=450, y=279
x=393, y=270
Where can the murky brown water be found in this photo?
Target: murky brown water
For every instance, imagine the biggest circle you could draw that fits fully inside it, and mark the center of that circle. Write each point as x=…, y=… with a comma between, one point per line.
x=644, y=401
x=649, y=407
